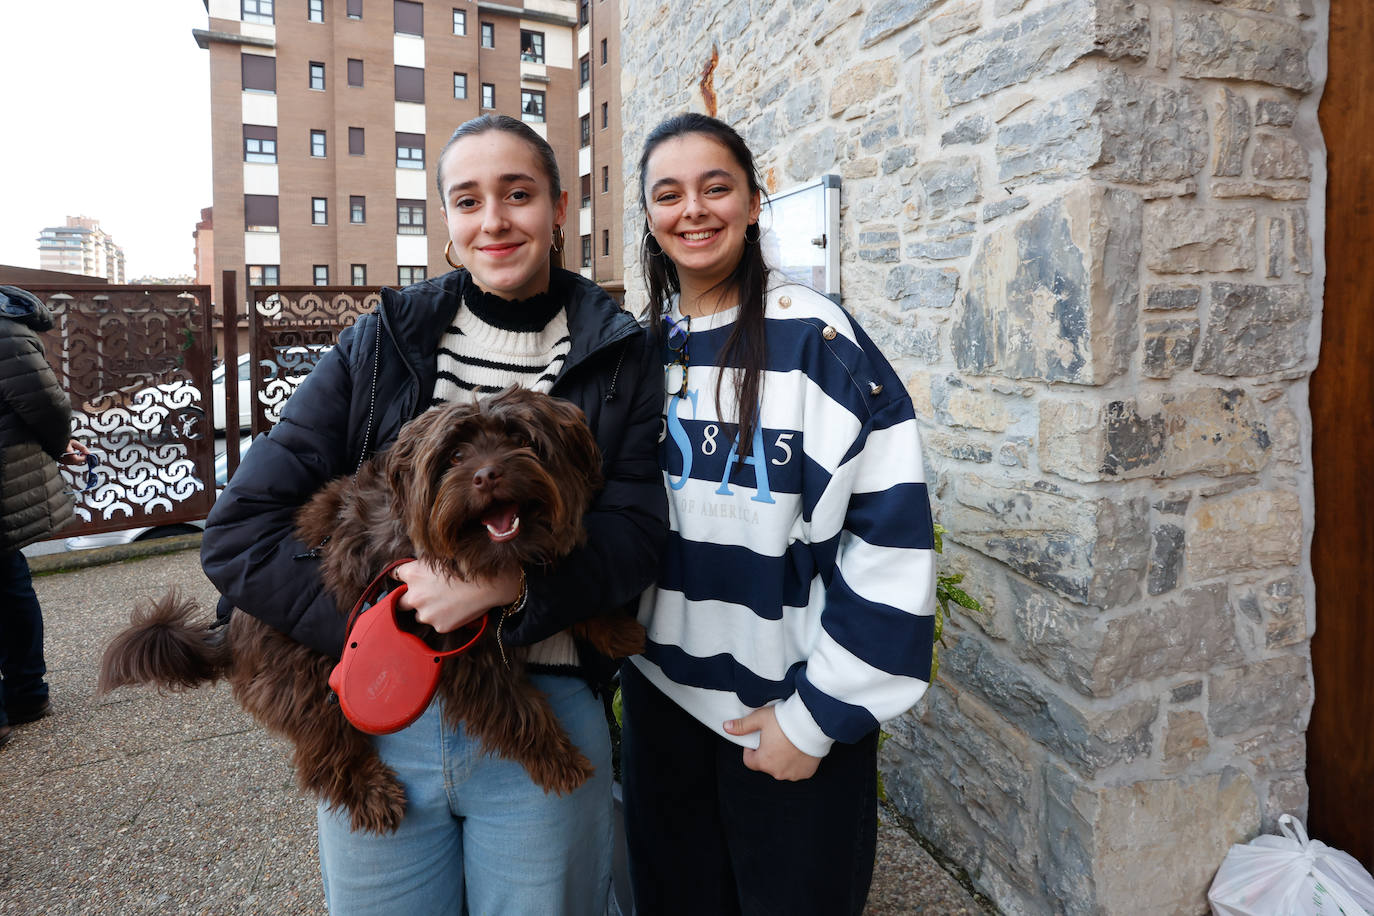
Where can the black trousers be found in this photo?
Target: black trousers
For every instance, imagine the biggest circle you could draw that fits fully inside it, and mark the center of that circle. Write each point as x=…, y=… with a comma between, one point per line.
x=707, y=835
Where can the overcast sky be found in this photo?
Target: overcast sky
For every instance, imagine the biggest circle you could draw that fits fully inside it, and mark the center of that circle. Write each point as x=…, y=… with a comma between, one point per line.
x=104, y=113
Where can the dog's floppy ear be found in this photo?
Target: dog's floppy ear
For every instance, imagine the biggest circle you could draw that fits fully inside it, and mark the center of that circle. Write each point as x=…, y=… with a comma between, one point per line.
x=408, y=464
x=557, y=429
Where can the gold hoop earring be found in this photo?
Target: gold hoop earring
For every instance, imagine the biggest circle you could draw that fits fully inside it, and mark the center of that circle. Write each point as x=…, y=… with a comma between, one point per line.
x=448, y=257
x=558, y=239
x=649, y=237
x=758, y=233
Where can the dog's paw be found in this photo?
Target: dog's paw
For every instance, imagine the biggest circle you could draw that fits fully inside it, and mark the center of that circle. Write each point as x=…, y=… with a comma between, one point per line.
x=380, y=808
x=560, y=773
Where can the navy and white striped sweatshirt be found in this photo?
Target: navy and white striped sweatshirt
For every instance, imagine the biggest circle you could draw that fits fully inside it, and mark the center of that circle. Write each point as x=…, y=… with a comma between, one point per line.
x=802, y=575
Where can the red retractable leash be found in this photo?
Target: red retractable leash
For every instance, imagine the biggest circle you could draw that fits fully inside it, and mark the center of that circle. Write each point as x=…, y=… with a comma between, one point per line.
x=386, y=676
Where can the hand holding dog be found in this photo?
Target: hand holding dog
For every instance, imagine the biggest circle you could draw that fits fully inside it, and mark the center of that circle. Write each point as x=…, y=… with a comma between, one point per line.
x=776, y=755
x=447, y=603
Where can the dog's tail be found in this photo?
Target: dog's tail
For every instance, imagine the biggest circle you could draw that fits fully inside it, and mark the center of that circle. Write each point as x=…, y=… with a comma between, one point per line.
x=165, y=647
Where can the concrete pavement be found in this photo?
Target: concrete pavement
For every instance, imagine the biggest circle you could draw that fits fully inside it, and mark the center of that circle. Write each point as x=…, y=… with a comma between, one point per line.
x=137, y=803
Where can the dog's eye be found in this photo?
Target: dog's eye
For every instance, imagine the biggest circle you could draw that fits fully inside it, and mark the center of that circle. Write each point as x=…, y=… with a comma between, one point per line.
x=456, y=457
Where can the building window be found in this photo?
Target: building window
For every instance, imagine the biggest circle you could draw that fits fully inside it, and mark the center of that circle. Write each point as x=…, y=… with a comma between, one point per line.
x=358, y=274
x=410, y=84
x=586, y=251
x=605, y=115
x=408, y=275
x=532, y=105
x=409, y=17
x=257, y=11
x=488, y=95
x=316, y=75
x=355, y=9
x=584, y=70
x=586, y=191
x=259, y=72
x=319, y=211
x=605, y=178
x=260, y=212
x=606, y=242
x=460, y=22
x=584, y=12
x=531, y=46
x=321, y=274
x=355, y=141
x=259, y=143
x=355, y=72
x=317, y=144
x=264, y=275
x=603, y=50
x=586, y=124
x=410, y=217
x=488, y=35
x=357, y=209
x=410, y=151
x=460, y=85
x=315, y=10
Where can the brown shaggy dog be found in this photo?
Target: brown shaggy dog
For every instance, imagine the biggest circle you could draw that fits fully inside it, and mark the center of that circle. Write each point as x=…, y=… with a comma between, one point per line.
x=476, y=489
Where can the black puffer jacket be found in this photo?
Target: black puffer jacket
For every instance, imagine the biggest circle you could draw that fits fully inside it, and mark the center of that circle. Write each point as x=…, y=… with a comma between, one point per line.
x=35, y=426
x=351, y=405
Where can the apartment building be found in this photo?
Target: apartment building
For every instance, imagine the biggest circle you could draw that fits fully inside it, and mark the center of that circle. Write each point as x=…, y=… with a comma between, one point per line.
x=81, y=247
x=327, y=117
x=600, y=188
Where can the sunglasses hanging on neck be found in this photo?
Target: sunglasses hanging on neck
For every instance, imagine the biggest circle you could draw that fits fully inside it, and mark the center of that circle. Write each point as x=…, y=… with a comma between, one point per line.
x=675, y=359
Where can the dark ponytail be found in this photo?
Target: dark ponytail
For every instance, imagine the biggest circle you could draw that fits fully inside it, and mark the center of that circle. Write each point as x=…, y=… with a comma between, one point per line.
x=745, y=352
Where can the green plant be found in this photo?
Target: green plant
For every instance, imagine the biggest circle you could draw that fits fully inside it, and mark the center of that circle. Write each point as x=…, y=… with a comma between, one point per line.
x=947, y=590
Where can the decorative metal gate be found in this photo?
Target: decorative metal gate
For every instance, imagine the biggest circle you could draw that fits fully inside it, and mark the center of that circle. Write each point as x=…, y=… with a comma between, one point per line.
x=135, y=361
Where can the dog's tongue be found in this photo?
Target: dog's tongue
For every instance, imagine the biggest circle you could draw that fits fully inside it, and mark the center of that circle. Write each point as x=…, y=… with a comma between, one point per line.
x=503, y=521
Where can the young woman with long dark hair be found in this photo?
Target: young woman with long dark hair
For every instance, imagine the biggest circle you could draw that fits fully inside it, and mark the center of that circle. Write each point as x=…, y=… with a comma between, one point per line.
x=793, y=611
x=478, y=835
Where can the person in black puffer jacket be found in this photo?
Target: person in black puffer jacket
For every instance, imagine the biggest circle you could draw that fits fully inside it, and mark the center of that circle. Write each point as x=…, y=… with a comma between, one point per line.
x=35, y=433
x=478, y=835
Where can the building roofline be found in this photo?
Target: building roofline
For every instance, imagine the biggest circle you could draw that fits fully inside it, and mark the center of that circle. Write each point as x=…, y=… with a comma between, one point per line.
x=486, y=6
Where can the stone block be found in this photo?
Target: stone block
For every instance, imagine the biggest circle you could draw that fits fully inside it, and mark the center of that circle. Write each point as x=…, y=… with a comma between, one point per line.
x=915, y=287
x=1151, y=132
x=862, y=83
x=1185, y=693
x=1248, y=530
x=1062, y=138
x=1302, y=242
x=898, y=158
x=949, y=184
x=1097, y=656
x=957, y=20
x=1166, y=559
x=1054, y=296
x=1185, y=740
x=1255, y=330
x=1092, y=551
x=902, y=339
x=1275, y=692
x=1230, y=132
x=888, y=17
x=812, y=155
x=1002, y=207
x=1280, y=607
x=1220, y=44
x=1276, y=245
x=1228, y=190
x=1168, y=434
x=940, y=250
x=973, y=129
x=1151, y=846
x=1279, y=156
x=1169, y=297
x=1090, y=736
x=879, y=244
x=802, y=105
x=1275, y=112
x=1184, y=238
x=957, y=448
x=973, y=409
x=831, y=15
x=1041, y=43
x=1169, y=346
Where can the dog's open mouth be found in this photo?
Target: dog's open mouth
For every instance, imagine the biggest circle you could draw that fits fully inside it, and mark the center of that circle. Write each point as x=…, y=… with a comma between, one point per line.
x=502, y=521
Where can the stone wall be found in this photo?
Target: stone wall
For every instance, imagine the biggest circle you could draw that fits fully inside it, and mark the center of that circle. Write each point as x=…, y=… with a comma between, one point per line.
x=1088, y=233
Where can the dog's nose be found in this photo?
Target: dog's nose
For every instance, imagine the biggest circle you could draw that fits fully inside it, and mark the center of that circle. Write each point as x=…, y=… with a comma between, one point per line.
x=486, y=477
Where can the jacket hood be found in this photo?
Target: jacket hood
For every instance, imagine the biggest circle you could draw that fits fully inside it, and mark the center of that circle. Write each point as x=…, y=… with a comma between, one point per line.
x=24, y=307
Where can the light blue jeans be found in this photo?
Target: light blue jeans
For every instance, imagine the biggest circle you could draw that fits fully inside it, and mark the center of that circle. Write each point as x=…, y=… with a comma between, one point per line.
x=475, y=824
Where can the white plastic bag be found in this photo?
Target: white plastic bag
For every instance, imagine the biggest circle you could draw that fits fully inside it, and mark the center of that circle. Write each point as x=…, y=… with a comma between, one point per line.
x=1290, y=875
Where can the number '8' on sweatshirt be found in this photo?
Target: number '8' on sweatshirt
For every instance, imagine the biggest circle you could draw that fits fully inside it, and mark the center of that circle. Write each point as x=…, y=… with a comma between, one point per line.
x=801, y=575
